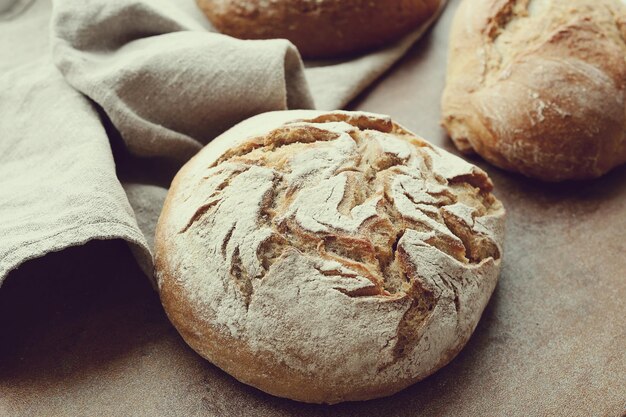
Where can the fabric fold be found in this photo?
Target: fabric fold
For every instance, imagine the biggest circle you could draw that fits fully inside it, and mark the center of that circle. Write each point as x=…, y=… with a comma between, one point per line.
x=58, y=186
x=168, y=85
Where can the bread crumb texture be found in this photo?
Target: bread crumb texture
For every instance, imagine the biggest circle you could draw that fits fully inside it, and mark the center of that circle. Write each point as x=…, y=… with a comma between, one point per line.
x=539, y=86
x=345, y=247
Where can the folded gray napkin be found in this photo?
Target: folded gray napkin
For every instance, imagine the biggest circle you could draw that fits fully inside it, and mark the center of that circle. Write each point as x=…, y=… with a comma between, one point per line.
x=146, y=81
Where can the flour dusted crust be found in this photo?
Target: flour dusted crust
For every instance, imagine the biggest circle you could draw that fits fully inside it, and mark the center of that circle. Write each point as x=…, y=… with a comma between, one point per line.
x=327, y=257
x=320, y=28
x=539, y=86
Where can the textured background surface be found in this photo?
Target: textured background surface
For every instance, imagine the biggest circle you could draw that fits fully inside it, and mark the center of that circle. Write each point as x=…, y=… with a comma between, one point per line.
x=91, y=339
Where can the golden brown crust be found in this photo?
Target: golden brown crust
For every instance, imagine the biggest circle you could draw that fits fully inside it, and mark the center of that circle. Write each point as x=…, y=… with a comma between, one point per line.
x=320, y=28
x=234, y=356
x=539, y=86
x=342, y=309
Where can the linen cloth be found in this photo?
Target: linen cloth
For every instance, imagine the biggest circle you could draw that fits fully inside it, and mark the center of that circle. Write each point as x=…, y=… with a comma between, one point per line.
x=101, y=101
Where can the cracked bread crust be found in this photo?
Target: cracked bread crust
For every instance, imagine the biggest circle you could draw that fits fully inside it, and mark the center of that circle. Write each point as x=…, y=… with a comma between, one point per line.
x=539, y=86
x=327, y=257
x=320, y=28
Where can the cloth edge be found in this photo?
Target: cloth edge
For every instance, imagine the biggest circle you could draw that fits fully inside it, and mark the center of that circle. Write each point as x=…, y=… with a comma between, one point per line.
x=77, y=236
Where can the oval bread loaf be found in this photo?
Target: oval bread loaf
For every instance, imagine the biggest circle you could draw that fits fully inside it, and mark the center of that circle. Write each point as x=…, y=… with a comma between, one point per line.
x=539, y=86
x=327, y=257
x=320, y=28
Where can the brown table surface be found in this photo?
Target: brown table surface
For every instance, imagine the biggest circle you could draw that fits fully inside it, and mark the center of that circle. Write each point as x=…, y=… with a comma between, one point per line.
x=89, y=338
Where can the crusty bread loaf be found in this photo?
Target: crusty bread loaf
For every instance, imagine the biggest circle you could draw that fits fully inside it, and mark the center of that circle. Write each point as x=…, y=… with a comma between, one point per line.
x=539, y=86
x=320, y=28
x=327, y=257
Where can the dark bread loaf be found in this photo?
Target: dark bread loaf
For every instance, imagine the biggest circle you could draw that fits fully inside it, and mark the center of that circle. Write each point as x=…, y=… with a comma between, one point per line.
x=320, y=28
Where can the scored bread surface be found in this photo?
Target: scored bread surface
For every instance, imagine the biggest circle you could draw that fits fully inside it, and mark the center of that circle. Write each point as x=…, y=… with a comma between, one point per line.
x=327, y=257
x=539, y=86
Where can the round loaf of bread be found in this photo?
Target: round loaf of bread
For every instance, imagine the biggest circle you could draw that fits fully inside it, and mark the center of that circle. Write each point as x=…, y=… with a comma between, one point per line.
x=327, y=257
x=320, y=28
x=539, y=87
